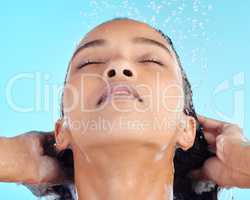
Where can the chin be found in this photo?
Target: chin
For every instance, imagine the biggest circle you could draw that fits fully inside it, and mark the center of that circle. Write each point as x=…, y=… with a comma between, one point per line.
x=119, y=132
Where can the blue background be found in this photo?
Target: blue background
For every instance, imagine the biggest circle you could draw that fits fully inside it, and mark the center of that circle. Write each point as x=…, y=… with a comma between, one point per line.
x=38, y=37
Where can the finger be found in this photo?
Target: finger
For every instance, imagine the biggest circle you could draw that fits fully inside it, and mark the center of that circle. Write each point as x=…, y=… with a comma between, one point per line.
x=197, y=175
x=204, y=173
x=212, y=125
x=233, y=153
x=211, y=170
x=210, y=138
x=211, y=141
x=216, y=171
x=233, y=130
x=45, y=137
x=48, y=144
x=51, y=171
x=228, y=177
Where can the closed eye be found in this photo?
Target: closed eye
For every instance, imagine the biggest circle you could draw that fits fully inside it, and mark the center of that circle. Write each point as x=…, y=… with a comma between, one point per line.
x=152, y=61
x=89, y=63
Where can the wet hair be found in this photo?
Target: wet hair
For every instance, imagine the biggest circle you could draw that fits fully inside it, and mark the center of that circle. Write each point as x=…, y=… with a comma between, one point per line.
x=185, y=187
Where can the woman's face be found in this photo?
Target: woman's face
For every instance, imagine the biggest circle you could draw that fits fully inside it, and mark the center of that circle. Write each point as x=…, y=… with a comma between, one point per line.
x=123, y=84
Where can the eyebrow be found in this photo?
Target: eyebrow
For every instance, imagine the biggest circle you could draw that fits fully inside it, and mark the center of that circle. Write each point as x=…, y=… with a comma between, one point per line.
x=102, y=42
x=151, y=42
x=94, y=43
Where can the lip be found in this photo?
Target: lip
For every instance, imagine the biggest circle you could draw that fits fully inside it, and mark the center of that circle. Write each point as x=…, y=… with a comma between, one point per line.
x=118, y=90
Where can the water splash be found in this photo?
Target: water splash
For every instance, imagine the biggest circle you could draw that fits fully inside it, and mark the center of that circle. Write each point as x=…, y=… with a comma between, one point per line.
x=185, y=21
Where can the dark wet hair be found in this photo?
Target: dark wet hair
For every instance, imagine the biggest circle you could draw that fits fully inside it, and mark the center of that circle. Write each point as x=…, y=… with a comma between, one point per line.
x=193, y=158
x=184, y=161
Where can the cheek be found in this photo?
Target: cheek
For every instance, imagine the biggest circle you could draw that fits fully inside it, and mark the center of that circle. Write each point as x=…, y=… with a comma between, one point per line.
x=172, y=97
x=168, y=102
x=81, y=94
x=166, y=91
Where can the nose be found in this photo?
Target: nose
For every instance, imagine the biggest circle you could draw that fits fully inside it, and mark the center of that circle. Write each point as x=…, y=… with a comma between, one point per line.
x=117, y=72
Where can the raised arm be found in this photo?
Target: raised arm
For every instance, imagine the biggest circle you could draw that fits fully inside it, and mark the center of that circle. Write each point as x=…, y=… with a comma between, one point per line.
x=231, y=165
x=23, y=159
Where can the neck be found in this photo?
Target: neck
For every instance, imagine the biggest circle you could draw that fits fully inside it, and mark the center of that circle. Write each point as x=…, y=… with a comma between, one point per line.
x=124, y=171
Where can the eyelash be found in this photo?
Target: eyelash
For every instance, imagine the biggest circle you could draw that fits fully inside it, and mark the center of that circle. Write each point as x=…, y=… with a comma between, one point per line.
x=152, y=61
x=89, y=62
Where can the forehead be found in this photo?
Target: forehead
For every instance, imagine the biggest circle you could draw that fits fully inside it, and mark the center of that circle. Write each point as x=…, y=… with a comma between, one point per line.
x=123, y=30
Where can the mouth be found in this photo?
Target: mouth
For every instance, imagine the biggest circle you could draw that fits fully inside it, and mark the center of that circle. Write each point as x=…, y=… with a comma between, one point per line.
x=119, y=91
